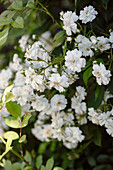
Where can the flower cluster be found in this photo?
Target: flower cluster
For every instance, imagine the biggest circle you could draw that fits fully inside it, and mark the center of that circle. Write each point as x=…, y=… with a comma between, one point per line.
x=53, y=89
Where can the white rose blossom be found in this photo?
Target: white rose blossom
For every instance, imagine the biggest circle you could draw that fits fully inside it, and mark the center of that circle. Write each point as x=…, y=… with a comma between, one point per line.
x=102, y=75
x=88, y=14
x=69, y=18
x=73, y=60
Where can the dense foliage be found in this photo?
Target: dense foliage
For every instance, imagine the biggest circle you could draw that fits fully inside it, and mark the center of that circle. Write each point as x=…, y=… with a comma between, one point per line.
x=56, y=81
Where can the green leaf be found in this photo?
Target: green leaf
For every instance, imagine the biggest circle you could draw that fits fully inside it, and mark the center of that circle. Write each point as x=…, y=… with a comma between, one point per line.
x=99, y=60
x=99, y=97
x=27, y=157
x=5, y=13
x=16, y=166
x=12, y=122
x=91, y=161
x=59, y=35
x=42, y=147
x=57, y=168
x=5, y=21
x=105, y=3
x=17, y=4
x=58, y=41
x=97, y=92
x=110, y=86
x=103, y=167
x=87, y=74
x=18, y=23
x=22, y=139
x=31, y=4
x=7, y=96
x=42, y=167
x=39, y=161
x=103, y=158
x=25, y=121
x=3, y=36
x=97, y=137
x=8, y=165
x=49, y=164
x=14, y=109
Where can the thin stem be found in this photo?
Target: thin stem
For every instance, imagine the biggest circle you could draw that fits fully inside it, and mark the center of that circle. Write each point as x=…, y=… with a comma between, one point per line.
x=17, y=154
x=48, y=12
x=19, y=138
x=22, y=158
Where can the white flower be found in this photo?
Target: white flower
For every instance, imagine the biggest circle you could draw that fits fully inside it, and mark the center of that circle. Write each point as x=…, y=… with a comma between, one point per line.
x=103, y=117
x=79, y=38
x=42, y=133
x=74, y=61
x=4, y=113
x=93, y=39
x=47, y=40
x=36, y=81
x=23, y=42
x=25, y=110
x=70, y=145
x=80, y=107
x=88, y=14
x=81, y=119
x=5, y=75
x=69, y=18
x=58, y=82
x=111, y=37
x=73, y=135
x=15, y=65
x=58, y=102
x=107, y=95
x=72, y=76
x=61, y=118
x=93, y=116
x=103, y=43
x=39, y=57
x=85, y=47
x=39, y=103
x=109, y=126
x=102, y=75
x=22, y=94
x=19, y=79
x=80, y=93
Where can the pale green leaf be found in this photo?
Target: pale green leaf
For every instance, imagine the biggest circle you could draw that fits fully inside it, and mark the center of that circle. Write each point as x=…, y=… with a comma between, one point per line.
x=11, y=134
x=8, y=165
x=25, y=121
x=7, y=96
x=22, y=139
x=3, y=36
x=5, y=13
x=18, y=23
x=58, y=41
x=27, y=157
x=14, y=109
x=12, y=122
x=49, y=164
x=17, y=5
x=43, y=167
x=58, y=35
x=58, y=168
x=39, y=161
x=5, y=21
